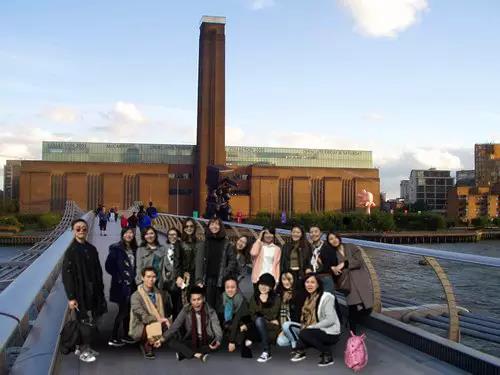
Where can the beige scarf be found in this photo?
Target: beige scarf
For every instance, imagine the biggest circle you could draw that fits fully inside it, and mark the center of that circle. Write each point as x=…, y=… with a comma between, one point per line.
x=308, y=316
x=156, y=310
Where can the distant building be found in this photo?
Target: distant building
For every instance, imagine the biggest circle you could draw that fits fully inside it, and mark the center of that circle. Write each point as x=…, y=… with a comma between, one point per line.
x=468, y=200
x=430, y=187
x=467, y=203
x=11, y=174
x=404, y=190
x=466, y=178
x=487, y=164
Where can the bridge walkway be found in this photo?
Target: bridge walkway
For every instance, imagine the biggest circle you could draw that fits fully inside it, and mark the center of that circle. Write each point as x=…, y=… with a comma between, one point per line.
x=385, y=355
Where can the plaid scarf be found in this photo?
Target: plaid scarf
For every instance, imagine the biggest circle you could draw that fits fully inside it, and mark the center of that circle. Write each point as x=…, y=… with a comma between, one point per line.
x=195, y=340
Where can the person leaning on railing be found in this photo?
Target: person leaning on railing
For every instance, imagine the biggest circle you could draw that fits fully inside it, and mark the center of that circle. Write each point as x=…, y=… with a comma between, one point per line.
x=360, y=295
x=82, y=280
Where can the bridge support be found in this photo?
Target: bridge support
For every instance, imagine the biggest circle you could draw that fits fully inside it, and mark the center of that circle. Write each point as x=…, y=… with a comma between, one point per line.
x=454, y=327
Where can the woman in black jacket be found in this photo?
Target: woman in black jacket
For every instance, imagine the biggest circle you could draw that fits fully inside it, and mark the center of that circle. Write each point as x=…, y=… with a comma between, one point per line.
x=173, y=271
x=120, y=264
x=216, y=261
x=296, y=255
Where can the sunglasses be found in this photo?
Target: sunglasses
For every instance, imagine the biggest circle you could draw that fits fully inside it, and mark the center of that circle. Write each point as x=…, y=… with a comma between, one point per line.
x=80, y=229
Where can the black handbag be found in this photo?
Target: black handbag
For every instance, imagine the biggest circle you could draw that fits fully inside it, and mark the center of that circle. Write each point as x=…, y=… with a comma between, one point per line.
x=70, y=335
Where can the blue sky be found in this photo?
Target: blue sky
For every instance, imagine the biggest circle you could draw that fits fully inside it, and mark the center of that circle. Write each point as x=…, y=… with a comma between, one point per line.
x=416, y=81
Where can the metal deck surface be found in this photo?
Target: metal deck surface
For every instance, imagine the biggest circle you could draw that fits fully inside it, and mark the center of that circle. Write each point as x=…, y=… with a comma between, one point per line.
x=386, y=356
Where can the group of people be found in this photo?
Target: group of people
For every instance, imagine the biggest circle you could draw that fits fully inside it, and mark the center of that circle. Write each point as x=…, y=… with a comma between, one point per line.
x=185, y=293
x=142, y=218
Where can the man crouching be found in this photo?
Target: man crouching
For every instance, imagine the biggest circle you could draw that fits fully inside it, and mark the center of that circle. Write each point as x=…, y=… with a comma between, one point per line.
x=201, y=329
x=147, y=318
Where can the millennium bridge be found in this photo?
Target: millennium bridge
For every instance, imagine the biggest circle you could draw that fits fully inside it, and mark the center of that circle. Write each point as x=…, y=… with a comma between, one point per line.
x=436, y=312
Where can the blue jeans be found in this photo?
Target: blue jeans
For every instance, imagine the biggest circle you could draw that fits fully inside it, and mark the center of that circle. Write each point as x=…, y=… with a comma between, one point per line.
x=290, y=335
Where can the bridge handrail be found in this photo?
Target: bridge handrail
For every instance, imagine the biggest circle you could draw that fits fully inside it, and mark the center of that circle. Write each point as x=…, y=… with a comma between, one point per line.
x=20, y=296
x=411, y=250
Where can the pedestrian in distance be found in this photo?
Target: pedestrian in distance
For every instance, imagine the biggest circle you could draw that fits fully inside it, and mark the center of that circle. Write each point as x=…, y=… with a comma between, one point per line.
x=132, y=220
x=103, y=217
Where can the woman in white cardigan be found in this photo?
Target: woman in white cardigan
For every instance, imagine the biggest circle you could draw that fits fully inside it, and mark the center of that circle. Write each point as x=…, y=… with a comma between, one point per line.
x=319, y=321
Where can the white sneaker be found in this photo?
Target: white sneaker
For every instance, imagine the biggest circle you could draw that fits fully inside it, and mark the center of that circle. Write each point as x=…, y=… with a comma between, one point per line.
x=87, y=357
x=95, y=353
x=264, y=357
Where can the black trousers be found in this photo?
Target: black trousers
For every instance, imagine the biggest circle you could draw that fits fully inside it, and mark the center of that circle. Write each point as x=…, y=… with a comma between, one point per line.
x=318, y=339
x=121, y=321
x=213, y=293
x=185, y=349
x=357, y=313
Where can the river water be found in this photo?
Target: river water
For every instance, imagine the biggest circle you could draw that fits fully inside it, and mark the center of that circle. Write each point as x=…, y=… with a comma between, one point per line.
x=7, y=252
x=477, y=288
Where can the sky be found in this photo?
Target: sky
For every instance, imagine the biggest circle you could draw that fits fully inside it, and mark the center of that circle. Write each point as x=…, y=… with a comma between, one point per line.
x=415, y=81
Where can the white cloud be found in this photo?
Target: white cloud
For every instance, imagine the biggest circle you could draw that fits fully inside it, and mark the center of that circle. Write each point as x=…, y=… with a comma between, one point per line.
x=374, y=117
x=63, y=115
x=260, y=4
x=384, y=18
x=127, y=112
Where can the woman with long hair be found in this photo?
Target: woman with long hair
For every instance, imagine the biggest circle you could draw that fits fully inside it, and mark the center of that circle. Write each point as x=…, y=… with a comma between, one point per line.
x=320, y=326
x=214, y=262
x=190, y=246
x=296, y=255
x=360, y=294
x=172, y=270
x=121, y=265
x=243, y=258
x=266, y=256
x=150, y=254
x=292, y=297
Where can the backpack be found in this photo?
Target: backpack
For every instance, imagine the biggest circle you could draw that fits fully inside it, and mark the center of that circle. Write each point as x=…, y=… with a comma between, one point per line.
x=356, y=355
x=70, y=337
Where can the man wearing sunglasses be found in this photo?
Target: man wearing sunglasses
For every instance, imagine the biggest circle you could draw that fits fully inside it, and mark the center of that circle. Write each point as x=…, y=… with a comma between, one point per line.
x=82, y=280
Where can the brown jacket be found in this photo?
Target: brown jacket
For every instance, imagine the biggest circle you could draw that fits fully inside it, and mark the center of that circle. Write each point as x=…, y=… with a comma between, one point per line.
x=359, y=278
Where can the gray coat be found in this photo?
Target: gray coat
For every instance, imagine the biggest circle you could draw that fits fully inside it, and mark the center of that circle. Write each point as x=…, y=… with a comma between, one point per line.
x=214, y=330
x=140, y=316
x=144, y=258
x=359, y=278
x=328, y=321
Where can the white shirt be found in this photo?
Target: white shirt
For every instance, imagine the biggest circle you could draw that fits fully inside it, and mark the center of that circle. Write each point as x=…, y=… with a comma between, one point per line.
x=267, y=259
